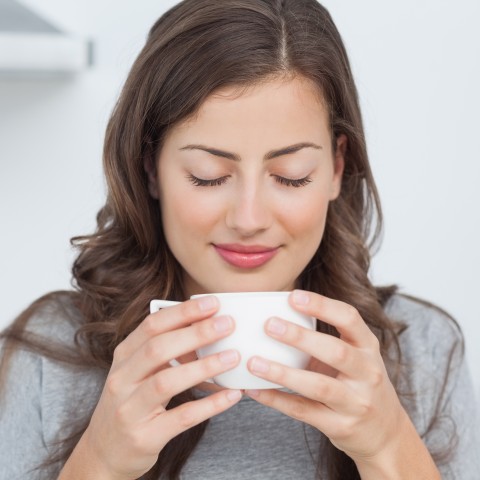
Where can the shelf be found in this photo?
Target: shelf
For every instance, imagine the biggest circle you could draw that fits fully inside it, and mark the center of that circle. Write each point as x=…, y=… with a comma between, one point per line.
x=43, y=52
x=29, y=44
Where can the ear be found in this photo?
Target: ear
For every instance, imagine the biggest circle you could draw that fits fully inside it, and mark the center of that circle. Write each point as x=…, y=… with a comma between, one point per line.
x=338, y=166
x=152, y=178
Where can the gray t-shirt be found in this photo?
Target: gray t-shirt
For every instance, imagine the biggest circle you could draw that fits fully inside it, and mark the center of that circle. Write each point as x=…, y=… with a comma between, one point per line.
x=43, y=397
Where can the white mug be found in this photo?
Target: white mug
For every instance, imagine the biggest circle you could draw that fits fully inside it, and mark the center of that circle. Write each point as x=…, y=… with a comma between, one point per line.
x=250, y=310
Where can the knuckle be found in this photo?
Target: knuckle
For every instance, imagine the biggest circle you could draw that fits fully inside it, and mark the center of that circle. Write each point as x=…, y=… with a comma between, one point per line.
x=204, y=330
x=366, y=407
x=210, y=365
x=150, y=325
x=119, y=352
x=296, y=334
x=152, y=351
x=202, y=369
x=121, y=416
x=351, y=316
x=340, y=353
x=188, y=309
x=299, y=410
x=376, y=376
x=322, y=391
x=186, y=417
x=280, y=374
x=219, y=403
x=113, y=384
x=320, y=301
x=160, y=386
x=137, y=441
x=346, y=428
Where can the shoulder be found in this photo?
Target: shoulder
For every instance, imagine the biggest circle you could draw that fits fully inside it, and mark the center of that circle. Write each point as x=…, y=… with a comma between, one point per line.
x=47, y=327
x=44, y=371
x=434, y=384
x=424, y=328
x=431, y=357
x=41, y=397
x=53, y=317
x=50, y=321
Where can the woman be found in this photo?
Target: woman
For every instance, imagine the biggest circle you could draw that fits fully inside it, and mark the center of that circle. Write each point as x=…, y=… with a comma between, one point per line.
x=236, y=161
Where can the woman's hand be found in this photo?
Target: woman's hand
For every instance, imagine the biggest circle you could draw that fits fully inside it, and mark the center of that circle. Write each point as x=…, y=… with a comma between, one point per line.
x=130, y=424
x=348, y=396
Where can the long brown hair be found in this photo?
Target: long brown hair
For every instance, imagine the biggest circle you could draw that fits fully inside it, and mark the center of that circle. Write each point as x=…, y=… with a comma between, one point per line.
x=195, y=48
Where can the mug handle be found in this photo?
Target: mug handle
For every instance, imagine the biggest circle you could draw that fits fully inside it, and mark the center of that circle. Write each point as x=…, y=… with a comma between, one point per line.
x=155, y=306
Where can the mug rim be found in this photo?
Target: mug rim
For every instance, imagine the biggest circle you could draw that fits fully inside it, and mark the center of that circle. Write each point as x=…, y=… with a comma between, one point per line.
x=243, y=294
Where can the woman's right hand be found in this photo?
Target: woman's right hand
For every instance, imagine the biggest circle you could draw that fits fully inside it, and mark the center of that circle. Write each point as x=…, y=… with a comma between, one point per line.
x=130, y=425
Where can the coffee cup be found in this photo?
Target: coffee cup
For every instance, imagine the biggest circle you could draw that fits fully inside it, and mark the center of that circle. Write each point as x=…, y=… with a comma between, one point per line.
x=250, y=310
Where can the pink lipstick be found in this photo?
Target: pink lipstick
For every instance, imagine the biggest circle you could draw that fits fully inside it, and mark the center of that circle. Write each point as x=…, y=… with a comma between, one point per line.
x=245, y=256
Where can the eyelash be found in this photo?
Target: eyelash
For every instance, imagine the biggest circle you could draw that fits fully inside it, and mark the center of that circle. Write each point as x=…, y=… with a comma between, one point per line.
x=198, y=182
x=300, y=182
x=296, y=183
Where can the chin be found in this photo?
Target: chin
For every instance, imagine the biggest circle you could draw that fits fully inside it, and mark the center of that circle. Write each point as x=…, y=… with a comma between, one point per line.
x=227, y=281
x=245, y=285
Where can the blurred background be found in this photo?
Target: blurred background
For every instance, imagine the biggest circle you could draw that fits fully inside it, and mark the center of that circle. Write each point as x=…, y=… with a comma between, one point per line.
x=417, y=66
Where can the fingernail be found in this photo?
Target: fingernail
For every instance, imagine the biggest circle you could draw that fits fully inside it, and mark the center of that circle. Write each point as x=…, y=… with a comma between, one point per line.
x=234, y=395
x=276, y=326
x=222, y=324
x=252, y=393
x=207, y=303
x=300, y=298
x=259, y=365
x=229, y=356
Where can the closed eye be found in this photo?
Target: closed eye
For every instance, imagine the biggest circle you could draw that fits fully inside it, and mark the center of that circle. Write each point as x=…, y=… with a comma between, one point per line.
x=290, y=182
x=215, y=182
x=199, y=182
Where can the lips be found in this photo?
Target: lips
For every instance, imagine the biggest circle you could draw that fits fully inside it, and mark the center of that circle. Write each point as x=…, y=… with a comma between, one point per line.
x=246, y=256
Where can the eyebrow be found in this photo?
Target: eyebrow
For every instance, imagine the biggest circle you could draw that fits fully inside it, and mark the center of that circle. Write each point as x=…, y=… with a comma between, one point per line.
x=268, y=156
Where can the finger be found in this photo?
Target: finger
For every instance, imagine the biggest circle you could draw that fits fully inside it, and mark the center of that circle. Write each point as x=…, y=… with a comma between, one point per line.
x=298, y=407
x=154, y=393
x=315, y=386
x=342, y=316
x=336, y=352
x=159, y=350
x=171, y=423
x=165, y=320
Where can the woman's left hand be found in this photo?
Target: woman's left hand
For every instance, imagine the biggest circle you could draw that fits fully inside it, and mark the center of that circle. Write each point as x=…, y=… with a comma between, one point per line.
x=353, y=402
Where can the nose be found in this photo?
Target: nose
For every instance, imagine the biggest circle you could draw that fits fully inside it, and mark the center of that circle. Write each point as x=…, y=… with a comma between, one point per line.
x=249, y=212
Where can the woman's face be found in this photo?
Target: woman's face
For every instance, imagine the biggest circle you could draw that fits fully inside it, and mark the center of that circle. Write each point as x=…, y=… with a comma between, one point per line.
x=245, y=185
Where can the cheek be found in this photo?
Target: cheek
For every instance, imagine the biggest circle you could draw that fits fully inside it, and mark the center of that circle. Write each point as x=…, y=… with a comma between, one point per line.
x=184, y=210
x=305, y=216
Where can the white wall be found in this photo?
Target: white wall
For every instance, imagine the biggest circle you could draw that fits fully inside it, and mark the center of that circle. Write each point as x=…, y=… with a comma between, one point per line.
x=417, y=66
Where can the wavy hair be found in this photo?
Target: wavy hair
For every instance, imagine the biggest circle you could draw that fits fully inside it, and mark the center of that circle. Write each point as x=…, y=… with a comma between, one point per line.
x=195, y=48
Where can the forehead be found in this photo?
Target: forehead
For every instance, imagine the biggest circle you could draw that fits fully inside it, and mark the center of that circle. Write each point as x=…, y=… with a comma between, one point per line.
x=293, y=107
x=297, y=86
